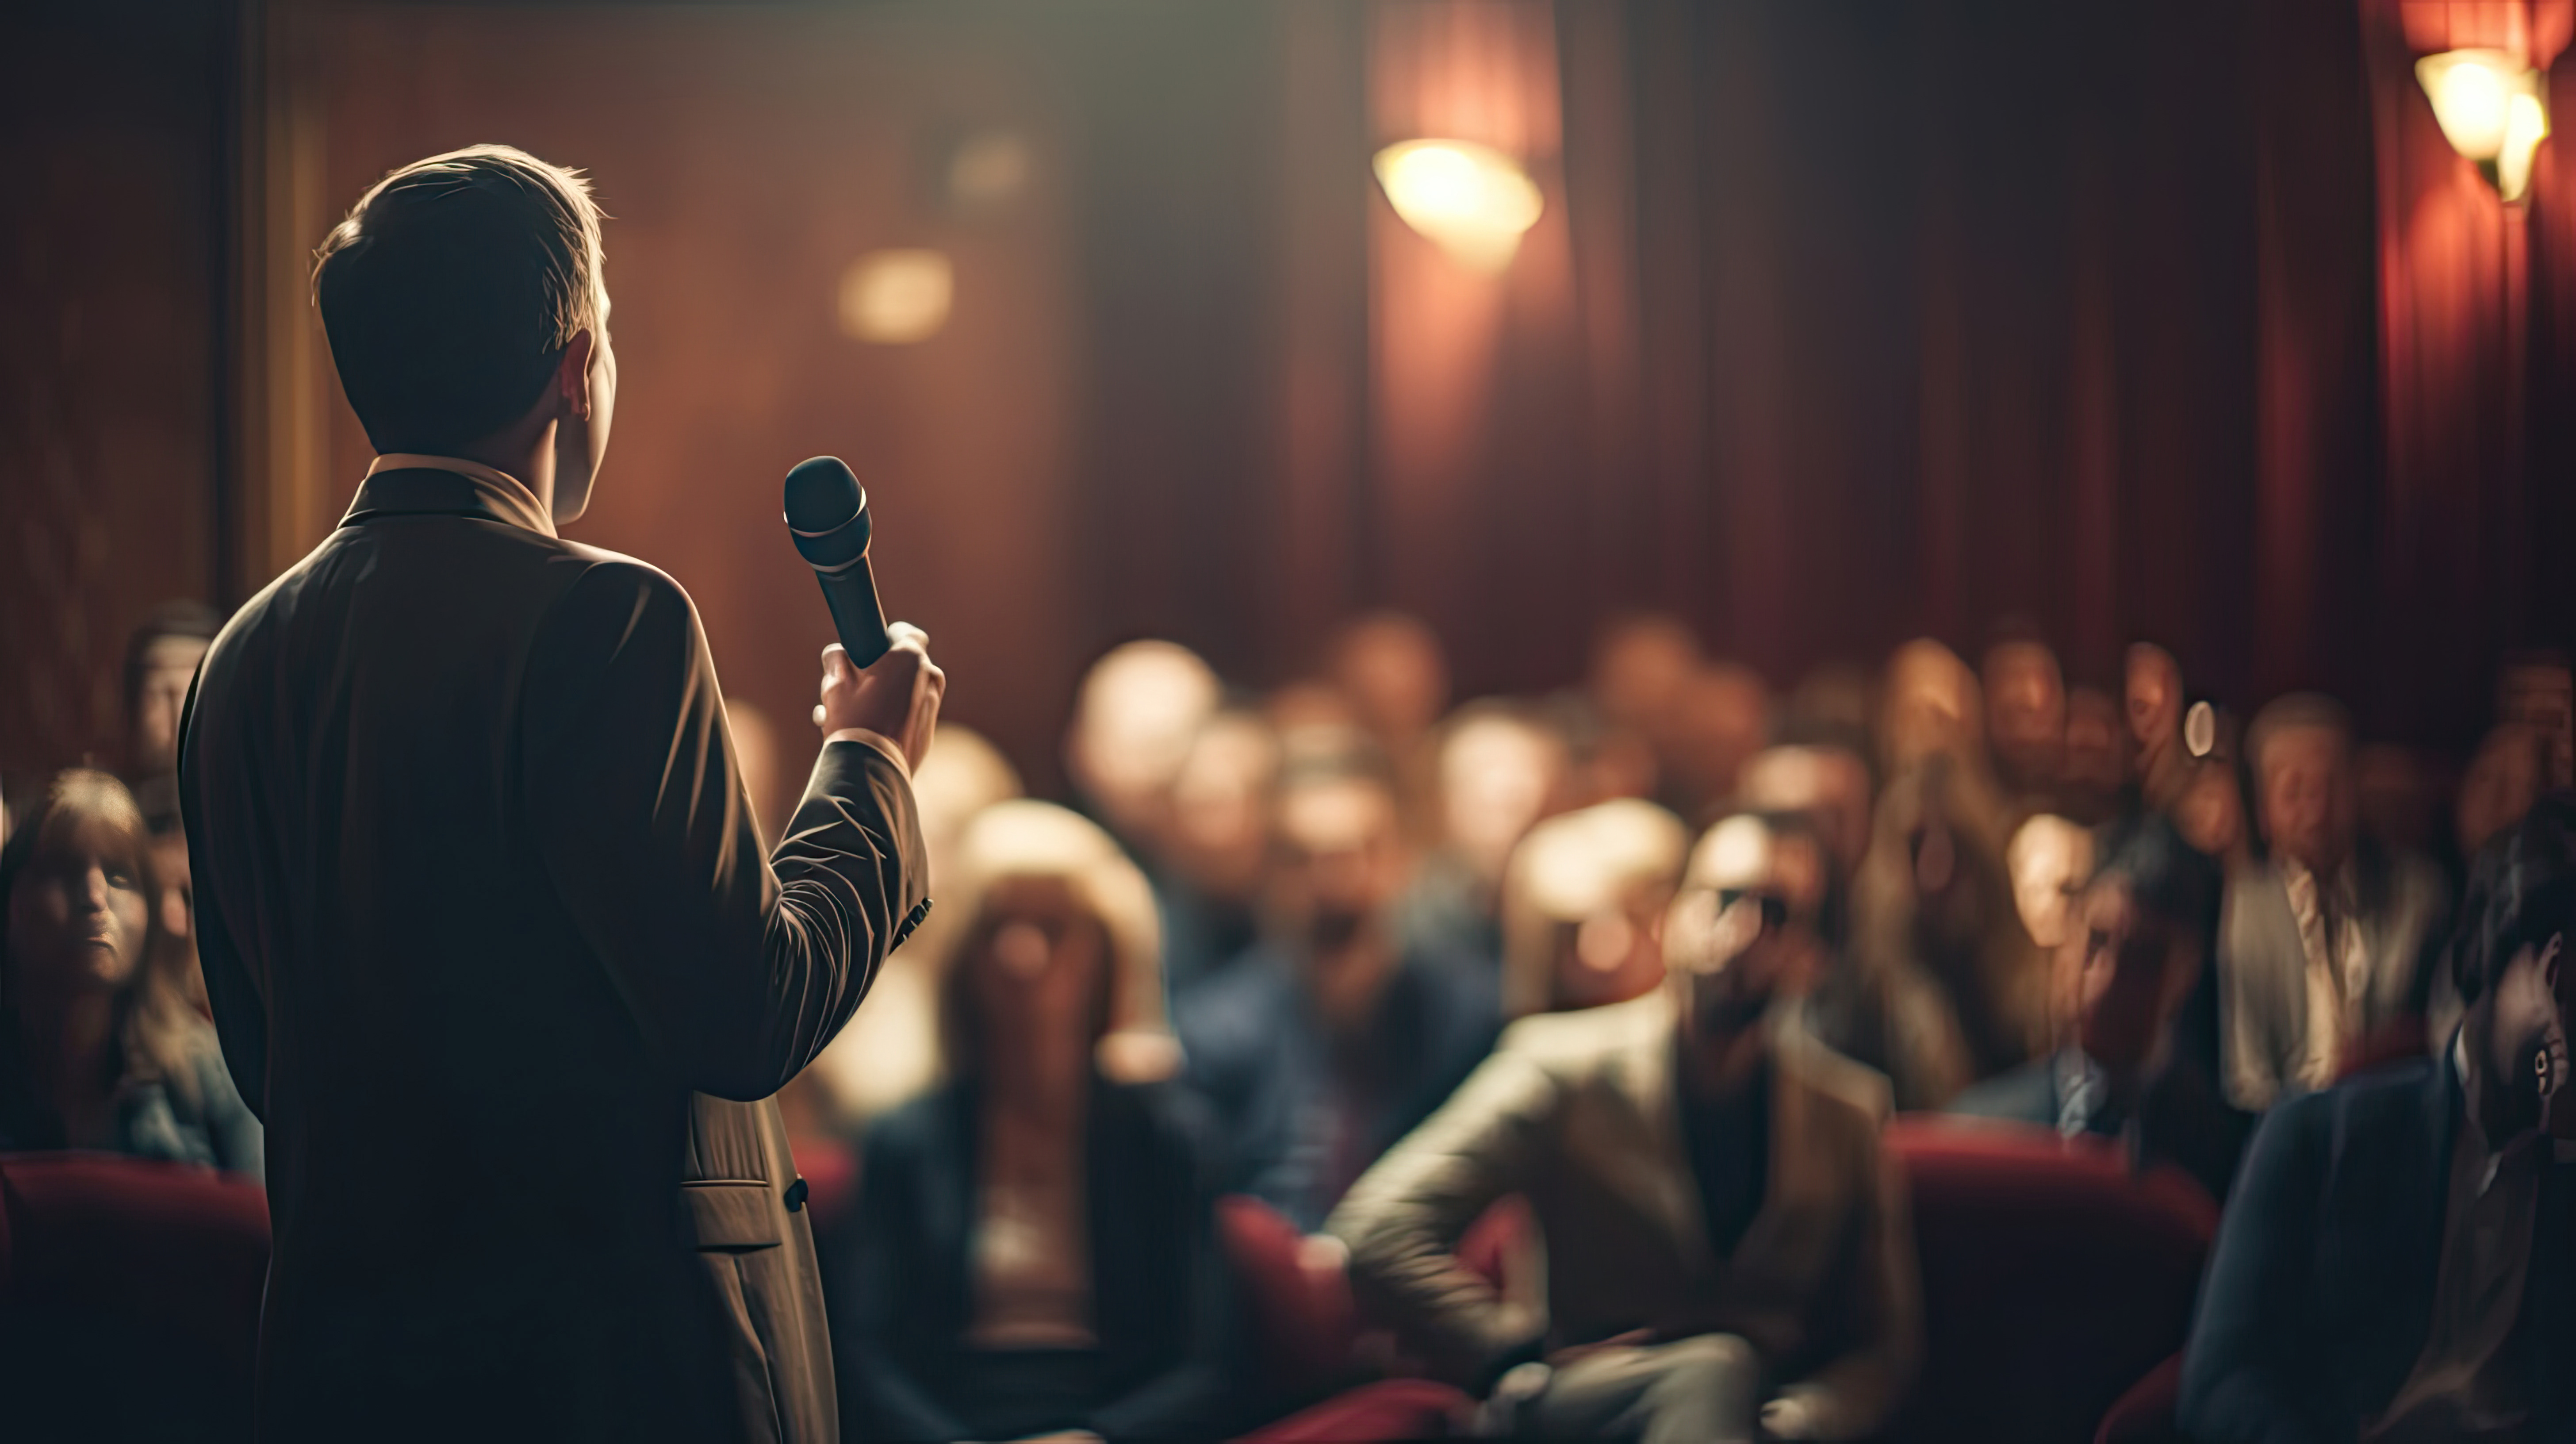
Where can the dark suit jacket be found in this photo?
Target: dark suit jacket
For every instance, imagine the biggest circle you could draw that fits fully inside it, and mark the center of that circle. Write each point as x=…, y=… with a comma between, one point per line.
x=1265, y=1061
x=2320, y=1291
x=480, y=904
x=1159, y=1284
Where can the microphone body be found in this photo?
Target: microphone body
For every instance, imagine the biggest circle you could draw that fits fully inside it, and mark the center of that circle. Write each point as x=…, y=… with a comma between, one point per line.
x=827, y=516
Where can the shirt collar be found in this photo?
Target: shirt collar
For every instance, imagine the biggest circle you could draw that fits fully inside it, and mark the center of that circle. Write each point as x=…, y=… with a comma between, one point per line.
x=486, y=492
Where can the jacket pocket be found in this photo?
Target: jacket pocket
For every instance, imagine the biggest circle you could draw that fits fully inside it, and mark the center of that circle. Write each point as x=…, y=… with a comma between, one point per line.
x=732, y=1213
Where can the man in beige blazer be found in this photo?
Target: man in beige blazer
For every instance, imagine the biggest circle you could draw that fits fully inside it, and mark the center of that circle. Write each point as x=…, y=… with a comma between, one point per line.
x=1727, y=1248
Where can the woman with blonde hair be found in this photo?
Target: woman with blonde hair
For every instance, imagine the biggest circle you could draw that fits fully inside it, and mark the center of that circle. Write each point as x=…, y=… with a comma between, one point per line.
x=99, y=1048
x=1035, y=1252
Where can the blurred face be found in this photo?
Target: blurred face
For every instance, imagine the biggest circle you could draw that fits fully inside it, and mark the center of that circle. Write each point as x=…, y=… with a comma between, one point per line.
x=2049, y=859
x=1741, y=935
x=2500, y=786
x=2025, y=702
x=79, y=915
x=1340, y=861
x=1641, y=663
x=2309, y=809
x=1221, y=805
x=2133, y=972
x=2211, y=814
x=2542, y=696
x=1724, y=718
x=1391, y=669
x=1829, y=785
x=1139, y=710
x=1038, y=958
x=169, y=665
x=2154, y=697
x=1931, y=697
x=2097, y=754
x=1614, y=954
x=1497, y=777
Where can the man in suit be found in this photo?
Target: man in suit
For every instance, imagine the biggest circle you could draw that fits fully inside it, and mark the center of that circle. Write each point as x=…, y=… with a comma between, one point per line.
x=2139, y=932
x=481, y=901
x=1334, y=1038
x=2317, y=948
x=1726, y=1244
x=2396, y=1264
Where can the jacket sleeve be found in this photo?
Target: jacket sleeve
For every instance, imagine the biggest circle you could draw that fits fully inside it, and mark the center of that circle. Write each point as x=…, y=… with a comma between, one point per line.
x=1403, y=1218
x=738, y=971
x=1855, y=1395
x=2251, y=1075
x=241, y=1017
x=2242, y=1380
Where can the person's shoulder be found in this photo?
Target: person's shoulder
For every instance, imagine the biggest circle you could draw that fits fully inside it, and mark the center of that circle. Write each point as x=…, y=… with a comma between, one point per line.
x=1246, y=996
x=1840, y=1081
x=1584, y=1038
x=618, y=598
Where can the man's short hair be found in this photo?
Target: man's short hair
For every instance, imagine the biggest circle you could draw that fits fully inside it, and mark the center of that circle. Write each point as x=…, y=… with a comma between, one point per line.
x=452, y=289
x=2296, y=712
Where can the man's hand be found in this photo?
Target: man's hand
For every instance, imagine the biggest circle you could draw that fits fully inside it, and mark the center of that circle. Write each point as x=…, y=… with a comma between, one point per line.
x=897, y=697
x=1789, y=1417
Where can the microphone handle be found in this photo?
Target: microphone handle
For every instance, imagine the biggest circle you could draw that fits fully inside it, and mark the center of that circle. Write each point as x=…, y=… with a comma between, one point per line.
x=851, y=593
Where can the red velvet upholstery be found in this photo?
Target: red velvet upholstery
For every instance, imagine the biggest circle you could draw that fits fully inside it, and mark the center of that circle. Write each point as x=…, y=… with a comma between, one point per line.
x=2145, y=1414
x=129, y=1298
x=2052, y=1278
x=1386, y=1410
x=1303, y=1321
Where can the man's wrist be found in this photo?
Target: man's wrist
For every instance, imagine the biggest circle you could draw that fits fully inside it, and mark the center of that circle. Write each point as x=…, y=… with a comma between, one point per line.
x=877, y=740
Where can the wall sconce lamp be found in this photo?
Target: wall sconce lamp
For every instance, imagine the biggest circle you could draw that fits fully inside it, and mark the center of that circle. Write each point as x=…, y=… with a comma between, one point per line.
x=1471, y=200
x=2493, y=109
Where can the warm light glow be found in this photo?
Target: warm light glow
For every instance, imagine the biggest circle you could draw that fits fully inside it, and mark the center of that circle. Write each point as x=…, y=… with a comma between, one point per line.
x=895, y=298
x=2526, y=125
x=1471, y=200
x=2490, y=107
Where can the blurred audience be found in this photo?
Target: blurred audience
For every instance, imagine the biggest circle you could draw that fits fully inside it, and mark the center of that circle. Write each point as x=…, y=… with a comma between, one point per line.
x=2050, y=860
x=1035, y=1251
x=1721, y=717
x=1336, y=1036
x=1501, y=769
x=160, y=663
x=2097, y=757
x=1826, y=783
x=1726, y=1250
x=98, y=1046
x=2318, y=947
x=2152, y=698
x=2538, y=690
x=1217, y=846
x=890, y=1049
x=1583, y=907
x=1133, y=719
x=2126, y=959
x=1390, y=666
x=2400, y=1256
x=2025, y=696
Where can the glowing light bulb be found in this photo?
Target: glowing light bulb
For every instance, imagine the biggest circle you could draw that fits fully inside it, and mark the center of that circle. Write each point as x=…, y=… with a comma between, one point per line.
x=2492, y=109
x=2526, y=125
x=1471, y=200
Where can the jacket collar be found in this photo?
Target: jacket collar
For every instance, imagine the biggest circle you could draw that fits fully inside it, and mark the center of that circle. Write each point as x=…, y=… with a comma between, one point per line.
x=405, y=484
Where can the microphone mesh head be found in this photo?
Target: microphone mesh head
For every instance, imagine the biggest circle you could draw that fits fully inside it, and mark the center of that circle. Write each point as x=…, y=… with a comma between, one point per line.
x=822, y=493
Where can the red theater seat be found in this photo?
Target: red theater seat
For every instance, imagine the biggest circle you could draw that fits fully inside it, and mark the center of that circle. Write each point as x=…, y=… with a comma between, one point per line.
x=129, y=1299
x=2053, y=1279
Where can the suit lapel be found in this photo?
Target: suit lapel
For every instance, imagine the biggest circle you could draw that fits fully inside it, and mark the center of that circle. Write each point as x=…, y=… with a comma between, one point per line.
x=1661, y=1181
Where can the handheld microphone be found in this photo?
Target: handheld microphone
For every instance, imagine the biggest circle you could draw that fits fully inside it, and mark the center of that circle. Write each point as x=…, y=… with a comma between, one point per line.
x=827, y=515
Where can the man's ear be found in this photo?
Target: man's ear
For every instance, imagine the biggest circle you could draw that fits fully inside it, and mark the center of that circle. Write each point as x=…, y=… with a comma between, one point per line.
x=572, y=376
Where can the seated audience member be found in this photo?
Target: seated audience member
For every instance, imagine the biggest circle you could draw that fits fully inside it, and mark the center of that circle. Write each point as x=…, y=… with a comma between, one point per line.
x=2318, y=949
x=1826, y=782
x=2210, y=814
x=98, y=1049
x=2128, y=956
x=2399, y=1261
x=2538, y=690
x=2097, y=757
x=1832, y=700
x=1947, y=987
x=160, y=663
x=1216, y=843
x=1640, y=662
x=1726, y=1247
x=1500, y=770
x=2509, y=772
x=889, y=1051
x=1334, y=1038
x=1390, y=666
x=2025, y=696
x=2050, y=859
x=1034, y=1251
x=1721, y=718
x=1583, y=907
x=2152, y=696
x=1133, y=719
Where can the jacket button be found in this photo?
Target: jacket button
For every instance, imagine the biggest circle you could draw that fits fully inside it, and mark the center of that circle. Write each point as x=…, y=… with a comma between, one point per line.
x=796, y=1195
